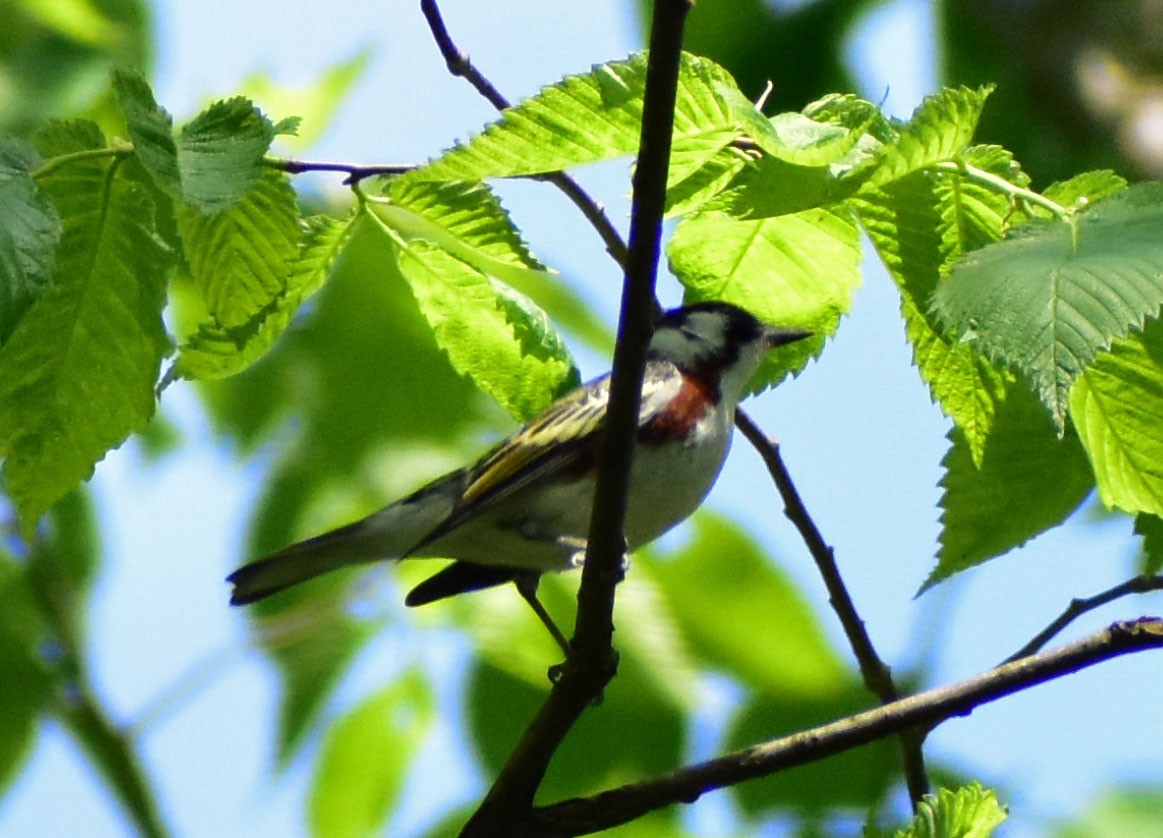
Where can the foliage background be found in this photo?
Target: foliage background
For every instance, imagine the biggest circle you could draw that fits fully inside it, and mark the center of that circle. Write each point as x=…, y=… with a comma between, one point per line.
x=858, y=430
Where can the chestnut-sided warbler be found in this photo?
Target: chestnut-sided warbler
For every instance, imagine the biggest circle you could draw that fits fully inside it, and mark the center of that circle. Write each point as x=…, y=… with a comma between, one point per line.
x=524, y=507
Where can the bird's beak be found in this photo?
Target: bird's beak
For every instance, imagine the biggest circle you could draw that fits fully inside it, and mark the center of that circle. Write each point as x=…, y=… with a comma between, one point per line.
x=779, y=336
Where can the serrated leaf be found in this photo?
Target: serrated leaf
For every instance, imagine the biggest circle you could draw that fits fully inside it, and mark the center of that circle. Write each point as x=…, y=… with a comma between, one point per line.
x=1117, y=407
x=365, y=759
x=968, y=812
x=214, y=352
x=451, y=244
x=30, y=230
x=724, y=596
x=1048, y=299
x=1029, y=480
x=241, y=257
x=468, y=221
x=77, y=375
x=919, y=224
x=492, y=334
x=150, y=127
x=940, y=129
x=1086, y=189
x=220, y=153
x=590, y=117
x=799, y=270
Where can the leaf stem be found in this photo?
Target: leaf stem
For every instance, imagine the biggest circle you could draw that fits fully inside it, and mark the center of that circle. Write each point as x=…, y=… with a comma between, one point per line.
x=355, y=172
x=1005, y=187
x=117, y=150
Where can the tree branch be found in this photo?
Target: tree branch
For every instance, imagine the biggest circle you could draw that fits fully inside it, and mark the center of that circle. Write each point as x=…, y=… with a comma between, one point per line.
x=875, y=672
x=593, y=661
x=459, y=64
x=1077, y=607
x=621, y=805
x=355, y=172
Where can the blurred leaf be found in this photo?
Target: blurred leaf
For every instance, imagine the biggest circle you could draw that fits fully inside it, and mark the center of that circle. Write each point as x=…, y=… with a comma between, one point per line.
x=217, y=352
x=77, y=375
x=365, y=759
x=968, y=812
x=798, y=270
x=1029, y=480
x=811, y=791
x=315, y=103
x=1117, y=407
x=1118, y=813
x=1151, y=528
x=30, y=230
x=241, y=257
x=1046, y=300
x=27, y=684
x=741, y=615
x=636, y=731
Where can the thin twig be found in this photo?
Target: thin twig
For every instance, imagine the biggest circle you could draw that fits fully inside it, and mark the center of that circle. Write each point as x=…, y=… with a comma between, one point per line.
x=875, y=672
x=593, y=661
x=355, y=171
x=621, y=805
x=1077, y=607
x=459, y=64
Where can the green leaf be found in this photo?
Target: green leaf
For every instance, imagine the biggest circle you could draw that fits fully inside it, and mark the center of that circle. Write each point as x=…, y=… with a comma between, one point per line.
x=1117, y=813
x=590, y=117
x=468, y=221
x=77, y=375
x=1151, y=528
x=220, y=153
x=27, y=682
x=968, y=812
x=1029, y=480
x=1046, y=300
x=1086, y=189
x=150, y=127
x=492, y=333
x=739, y=614
x=214, y=352
x=241, y=258
x=30, y=230
x=365, y=759
x=797, y=270
x=919, y=224
x=941, y=128
x=1117, y=407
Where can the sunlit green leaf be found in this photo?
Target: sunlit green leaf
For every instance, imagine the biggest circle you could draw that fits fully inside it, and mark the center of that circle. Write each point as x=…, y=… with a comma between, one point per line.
x=77, y=375
x=220, y=153
x=29, y=232
x=1029, y=480
x=968, y=812
x=1117, y=407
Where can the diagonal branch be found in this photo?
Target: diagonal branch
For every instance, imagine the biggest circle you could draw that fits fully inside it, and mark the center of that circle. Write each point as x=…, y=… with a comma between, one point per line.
x=621, y=805
x=875, y=672
x=593, y=660
x=459, y=64
x=1077, y=607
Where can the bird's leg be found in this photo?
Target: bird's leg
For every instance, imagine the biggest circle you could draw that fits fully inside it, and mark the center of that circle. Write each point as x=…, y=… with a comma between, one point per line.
x=527, y=586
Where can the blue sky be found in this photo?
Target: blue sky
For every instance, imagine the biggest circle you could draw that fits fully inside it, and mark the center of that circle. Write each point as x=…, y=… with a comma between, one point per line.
x=858, y=432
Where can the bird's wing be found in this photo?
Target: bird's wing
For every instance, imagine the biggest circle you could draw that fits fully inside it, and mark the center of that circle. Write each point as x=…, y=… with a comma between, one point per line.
x=562, y=440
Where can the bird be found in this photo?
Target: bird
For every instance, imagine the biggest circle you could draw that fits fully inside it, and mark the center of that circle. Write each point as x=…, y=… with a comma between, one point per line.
x=523, y=508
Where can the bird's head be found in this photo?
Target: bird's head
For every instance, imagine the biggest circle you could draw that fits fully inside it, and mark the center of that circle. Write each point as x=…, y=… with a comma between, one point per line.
x=718, y=343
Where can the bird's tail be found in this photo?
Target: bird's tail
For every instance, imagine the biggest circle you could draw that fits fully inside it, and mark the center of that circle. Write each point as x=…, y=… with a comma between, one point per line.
x=349, y=545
